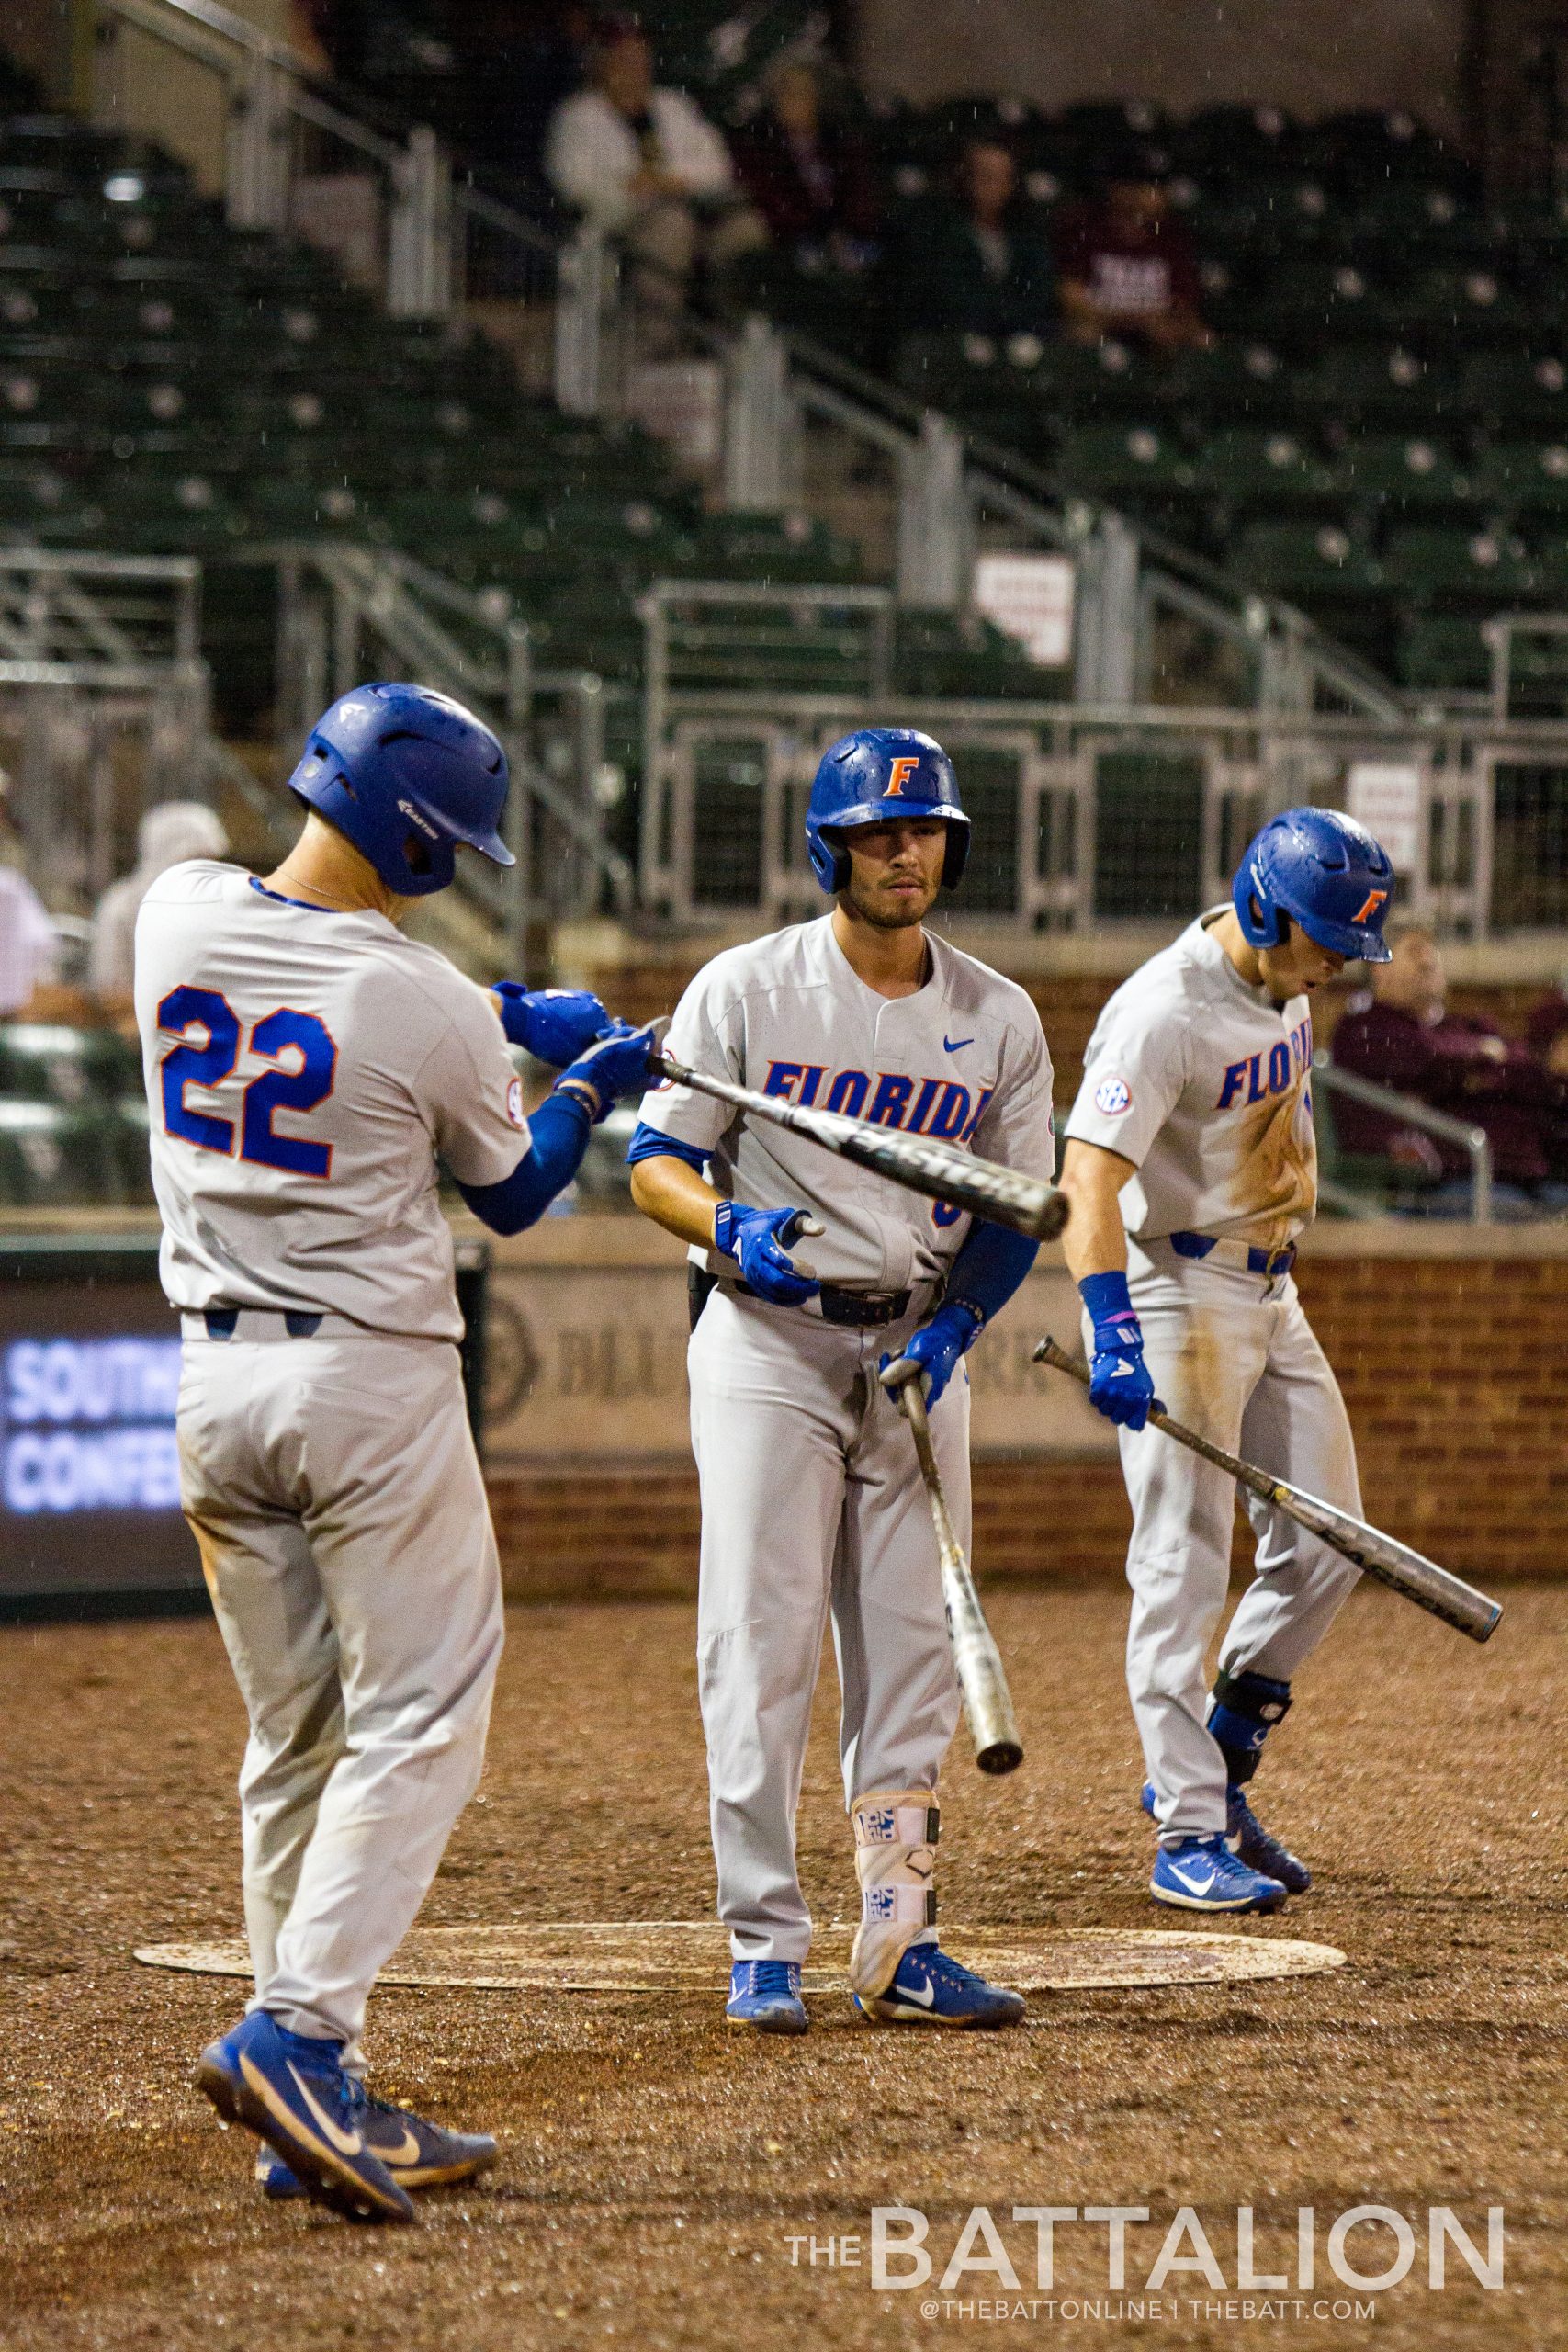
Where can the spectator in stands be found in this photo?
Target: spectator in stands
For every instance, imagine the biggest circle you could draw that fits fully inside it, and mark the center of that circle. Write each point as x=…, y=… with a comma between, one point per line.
x=169, y=834
x=646, y=165
x=1402, y=1035
x=969, y=263
x=1127, y=265
x=809, y=178
x=27, y=943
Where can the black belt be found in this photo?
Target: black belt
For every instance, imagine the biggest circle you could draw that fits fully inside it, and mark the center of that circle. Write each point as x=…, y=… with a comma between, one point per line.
x=857, y=1310
x=221, y=1321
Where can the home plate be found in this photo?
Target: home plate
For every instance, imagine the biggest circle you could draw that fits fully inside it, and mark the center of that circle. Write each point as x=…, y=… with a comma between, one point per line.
x=692, y=1956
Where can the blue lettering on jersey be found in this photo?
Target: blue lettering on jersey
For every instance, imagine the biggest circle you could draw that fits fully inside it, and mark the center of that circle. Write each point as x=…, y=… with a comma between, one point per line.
x=919, y=1106
x=1286, y=1060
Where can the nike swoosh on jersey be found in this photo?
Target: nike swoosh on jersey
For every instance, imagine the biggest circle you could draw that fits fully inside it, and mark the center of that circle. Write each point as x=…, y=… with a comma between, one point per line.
x=1193, y=1886
x=955, y=1044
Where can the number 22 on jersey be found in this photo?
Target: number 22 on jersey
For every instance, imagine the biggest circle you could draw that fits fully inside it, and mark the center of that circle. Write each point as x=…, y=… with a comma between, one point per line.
x=303, y=1088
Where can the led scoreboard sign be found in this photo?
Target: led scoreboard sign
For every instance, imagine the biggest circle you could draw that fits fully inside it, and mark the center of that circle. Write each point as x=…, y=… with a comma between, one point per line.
x=89, y=1472
x=90, y=1512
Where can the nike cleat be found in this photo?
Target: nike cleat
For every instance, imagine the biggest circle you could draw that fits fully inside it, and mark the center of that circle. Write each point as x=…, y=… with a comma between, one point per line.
x=1202, y=1874
x=765, y=1995
x=290, y=2090
x=1246, y=1836
x=418, y=2153
x=930, y=1987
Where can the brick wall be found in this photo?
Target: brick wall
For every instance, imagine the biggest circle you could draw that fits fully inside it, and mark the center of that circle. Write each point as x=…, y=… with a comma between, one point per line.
x=1454, y=1368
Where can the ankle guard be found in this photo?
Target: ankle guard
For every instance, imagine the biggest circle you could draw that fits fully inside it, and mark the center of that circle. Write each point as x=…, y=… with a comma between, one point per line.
x=1243, y=1712
x=896, y=1835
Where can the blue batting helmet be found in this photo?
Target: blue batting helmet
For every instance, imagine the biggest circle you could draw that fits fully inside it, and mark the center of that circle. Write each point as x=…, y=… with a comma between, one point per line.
x=1324, y=870
x=871, y=778
x=406, y=774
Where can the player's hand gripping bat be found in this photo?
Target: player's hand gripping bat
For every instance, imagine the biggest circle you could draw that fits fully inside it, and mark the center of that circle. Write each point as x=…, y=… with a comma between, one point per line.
x=1377, y=1554
x=992, y=1724
x=1029, y=1203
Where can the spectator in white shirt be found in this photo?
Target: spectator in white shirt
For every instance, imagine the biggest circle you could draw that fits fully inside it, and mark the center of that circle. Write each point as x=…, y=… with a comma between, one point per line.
x=645, y=165
x=169, y=834
x=28, y=941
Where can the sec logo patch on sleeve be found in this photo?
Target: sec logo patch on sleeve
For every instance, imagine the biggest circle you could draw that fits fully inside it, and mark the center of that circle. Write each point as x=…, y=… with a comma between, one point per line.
x=1113, y=1095
x=514, y=1111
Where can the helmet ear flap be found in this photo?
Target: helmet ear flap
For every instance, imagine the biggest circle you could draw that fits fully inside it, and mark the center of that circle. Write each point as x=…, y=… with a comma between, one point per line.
x=956, y=858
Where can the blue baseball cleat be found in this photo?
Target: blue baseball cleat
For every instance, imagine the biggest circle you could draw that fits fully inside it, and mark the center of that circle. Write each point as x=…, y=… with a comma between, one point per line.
x=290, y=2090
x=418, y=2153
x=1202, y=1874
x=930, y=1987
x=765, y=1994
x=1246, y=1836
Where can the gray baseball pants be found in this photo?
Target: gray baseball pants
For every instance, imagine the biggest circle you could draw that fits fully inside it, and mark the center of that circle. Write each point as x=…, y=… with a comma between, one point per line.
x=813, y=1509
x=1233, y=1355
x=334, y=1488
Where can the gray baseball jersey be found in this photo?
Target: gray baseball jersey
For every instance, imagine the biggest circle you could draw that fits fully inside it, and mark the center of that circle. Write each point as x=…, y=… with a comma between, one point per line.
x=964, y=1058
x=1203, y=1083
x=304, y=1070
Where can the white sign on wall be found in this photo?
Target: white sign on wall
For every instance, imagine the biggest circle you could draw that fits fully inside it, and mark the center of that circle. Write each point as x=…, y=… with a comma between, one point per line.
x=680, y=402
x=1030, y=596
x=1385, y=797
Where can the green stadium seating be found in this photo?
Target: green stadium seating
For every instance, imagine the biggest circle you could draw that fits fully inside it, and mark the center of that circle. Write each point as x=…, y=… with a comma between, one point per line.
x=53, y=1062
x=1398, y=475
x=1460, y=570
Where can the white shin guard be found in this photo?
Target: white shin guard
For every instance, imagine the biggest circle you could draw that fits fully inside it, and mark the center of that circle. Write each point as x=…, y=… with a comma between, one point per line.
x=896, y=1835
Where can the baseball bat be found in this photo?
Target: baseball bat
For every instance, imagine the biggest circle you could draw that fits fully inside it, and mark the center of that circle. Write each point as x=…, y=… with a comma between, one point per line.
x=1029, y=1203
x=1381, y=1556
x=993, y=1727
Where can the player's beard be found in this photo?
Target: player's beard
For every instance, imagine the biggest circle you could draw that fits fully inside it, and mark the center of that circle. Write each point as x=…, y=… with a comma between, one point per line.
x=887, y=914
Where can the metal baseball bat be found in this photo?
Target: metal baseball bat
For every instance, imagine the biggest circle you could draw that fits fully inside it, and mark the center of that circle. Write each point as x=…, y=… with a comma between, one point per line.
x=993, y=1727
x=1436, y=1590
x=1029, y=1203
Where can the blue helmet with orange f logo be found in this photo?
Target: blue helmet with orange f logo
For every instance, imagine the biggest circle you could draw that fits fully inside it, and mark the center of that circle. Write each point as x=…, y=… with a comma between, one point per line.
x=1325, y=872
x=873, y=777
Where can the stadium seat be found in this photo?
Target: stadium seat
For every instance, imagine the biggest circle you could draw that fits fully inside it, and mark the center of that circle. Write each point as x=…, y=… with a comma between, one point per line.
x=1461, y=571
x=51, y=1156
x=53, y=1062
x=1398, y=476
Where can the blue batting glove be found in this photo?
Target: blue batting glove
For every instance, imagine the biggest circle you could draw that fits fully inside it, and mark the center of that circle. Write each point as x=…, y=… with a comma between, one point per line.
x=1119, y=1384
x=616, y=1063
x=759, y=1240
x=938, y=1346
x=552, y=1024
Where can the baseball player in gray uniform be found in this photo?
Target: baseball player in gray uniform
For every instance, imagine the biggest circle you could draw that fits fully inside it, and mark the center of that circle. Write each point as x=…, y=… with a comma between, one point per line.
x=812, y=1499
x=307, y=1066
x=1191, y=1168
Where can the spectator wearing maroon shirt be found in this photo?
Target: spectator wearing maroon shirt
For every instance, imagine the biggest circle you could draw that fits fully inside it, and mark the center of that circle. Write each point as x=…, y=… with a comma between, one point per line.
x=1126, y=264
x=1403, y=1036
x=808, y=178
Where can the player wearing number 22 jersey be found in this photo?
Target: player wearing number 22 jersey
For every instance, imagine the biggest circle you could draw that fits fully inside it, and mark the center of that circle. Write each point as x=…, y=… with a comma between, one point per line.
x=1191, y=1166
x=309, y=1069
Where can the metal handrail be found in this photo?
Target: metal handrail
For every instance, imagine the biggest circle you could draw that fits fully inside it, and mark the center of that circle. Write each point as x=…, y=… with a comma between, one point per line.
x=1412, y=1113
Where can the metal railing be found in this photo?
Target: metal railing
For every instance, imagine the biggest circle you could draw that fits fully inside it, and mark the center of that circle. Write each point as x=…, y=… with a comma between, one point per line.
x=1410, y=1112
x=1090, y=816
x=285, y=131
x=345, y=613
x=948, y=485
x=103, y=703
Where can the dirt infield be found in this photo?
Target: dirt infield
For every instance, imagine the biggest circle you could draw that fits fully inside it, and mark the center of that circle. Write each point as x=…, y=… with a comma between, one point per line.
x=655, y=2169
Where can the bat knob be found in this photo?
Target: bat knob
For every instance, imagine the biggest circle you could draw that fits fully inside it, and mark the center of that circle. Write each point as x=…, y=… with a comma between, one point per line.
x=899, y=1373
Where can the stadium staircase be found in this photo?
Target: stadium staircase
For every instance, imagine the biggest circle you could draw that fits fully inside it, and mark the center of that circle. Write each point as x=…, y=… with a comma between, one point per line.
x=1380, y=433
